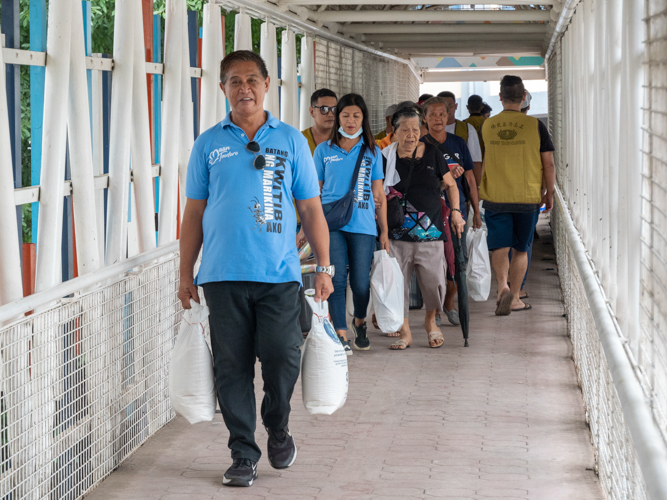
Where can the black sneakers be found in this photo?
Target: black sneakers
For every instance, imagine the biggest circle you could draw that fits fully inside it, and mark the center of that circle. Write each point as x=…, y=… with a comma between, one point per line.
x=361, y=342
x=281, y=448
x=243, y=472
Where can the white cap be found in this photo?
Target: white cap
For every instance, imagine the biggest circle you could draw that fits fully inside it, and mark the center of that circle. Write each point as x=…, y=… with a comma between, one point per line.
x=526, y=101
x=390, y=110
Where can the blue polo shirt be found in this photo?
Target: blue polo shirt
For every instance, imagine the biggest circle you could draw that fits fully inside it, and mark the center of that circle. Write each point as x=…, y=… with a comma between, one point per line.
x=457, y=146
x=249, y=221
x=335, y=167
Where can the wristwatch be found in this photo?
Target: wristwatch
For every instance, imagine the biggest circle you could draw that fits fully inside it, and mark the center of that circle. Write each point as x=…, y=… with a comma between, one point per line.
x=330, y=270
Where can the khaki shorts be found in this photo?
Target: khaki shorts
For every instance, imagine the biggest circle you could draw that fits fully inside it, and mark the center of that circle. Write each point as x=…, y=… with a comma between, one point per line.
x=428, y=260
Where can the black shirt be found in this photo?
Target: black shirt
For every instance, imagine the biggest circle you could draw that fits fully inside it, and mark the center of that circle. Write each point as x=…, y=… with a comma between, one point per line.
x=546, y=144
x=423, y=219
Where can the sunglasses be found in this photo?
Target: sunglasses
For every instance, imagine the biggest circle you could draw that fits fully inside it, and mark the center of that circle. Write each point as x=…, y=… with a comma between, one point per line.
x=326, y=109
x=259, y=162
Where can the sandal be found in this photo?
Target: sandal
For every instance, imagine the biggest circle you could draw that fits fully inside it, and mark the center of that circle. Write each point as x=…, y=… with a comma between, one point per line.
x=504, y=305
x=434, y=337
x=526, y=307
x=399, y=345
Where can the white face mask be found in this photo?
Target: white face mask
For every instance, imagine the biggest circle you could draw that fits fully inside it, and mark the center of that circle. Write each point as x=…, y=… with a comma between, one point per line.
x=345, y=134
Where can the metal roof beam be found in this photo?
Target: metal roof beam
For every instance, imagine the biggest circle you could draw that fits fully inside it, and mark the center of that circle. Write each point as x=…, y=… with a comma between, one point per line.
x=453, y=37
x=472, y=52
x=484, y=75
x=506, y=47
x=480, y=16
x=394, y=28
x=403, y=2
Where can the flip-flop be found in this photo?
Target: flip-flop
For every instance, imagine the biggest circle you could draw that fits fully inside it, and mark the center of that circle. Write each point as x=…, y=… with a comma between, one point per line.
x=521, y=297
x=527, y=307
x=433, y=336
x=399, y=345
x=505, y=304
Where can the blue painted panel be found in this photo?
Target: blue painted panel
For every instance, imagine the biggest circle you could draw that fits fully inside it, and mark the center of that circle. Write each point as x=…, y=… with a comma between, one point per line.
x=10, y=28
x=37, y=76
x=193, y=42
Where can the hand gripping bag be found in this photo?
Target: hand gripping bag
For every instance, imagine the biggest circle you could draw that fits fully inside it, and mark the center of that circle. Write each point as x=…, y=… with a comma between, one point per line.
x=191, y=380
x=323, y=364
x=387, y=292
x=478, y=272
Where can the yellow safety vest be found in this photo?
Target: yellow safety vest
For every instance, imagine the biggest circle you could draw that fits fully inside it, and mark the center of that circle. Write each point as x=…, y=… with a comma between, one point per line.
x=477, y=121
x=513, y=164
x=461, y=129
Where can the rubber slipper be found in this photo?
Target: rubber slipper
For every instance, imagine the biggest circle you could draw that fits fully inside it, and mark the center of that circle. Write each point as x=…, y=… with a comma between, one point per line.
x=399, y=345
x=505, y=304
x=521, y=297
x=527, y=307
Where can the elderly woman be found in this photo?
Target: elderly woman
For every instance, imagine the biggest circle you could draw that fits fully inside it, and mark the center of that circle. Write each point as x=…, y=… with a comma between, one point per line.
x=418, y=173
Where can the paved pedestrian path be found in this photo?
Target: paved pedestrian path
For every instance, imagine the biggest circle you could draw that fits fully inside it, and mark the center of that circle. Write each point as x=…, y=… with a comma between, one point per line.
x=501, y=419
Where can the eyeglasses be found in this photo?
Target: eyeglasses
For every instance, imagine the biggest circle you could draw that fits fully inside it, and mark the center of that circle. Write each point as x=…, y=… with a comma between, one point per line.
x=326, y=109
x=259, y=162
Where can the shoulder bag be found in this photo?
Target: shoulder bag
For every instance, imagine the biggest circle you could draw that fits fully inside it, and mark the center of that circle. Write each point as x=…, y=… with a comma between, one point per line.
x=338, y=213
x=396, y=206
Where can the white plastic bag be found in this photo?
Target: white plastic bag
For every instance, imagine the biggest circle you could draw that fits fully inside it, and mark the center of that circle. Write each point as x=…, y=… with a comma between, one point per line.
x=191, y=380
x=323, y=364
x=478, y=272
x=387, y=292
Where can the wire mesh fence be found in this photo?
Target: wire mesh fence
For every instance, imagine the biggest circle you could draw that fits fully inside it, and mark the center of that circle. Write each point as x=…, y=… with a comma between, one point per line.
x=594, y=98
x=84, y=383
x=380, y=81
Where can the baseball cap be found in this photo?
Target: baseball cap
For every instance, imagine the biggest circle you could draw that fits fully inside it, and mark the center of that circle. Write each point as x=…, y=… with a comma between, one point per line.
x=526, y=101
x=390, y=110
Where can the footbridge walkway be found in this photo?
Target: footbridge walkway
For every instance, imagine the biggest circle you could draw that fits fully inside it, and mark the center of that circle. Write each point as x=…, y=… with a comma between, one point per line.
x=568, y=400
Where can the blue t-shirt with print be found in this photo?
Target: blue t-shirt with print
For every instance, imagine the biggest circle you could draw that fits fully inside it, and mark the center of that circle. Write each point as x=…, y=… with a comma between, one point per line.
x=335, y=167
x=249, y=221
x=459, y=148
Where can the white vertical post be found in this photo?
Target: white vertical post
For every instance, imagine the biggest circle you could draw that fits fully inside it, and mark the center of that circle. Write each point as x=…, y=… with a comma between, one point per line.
x=81, y=153
x=307, y=81
x=120, y=134
x=187, y=132
x=171, y=113
x=210, y=66
x=141, y=143
x=98, y=153
x=11, y=287
x=49, y=229
x=268, y=49
x=242, y=32
x=221, y=101
x=288, y=98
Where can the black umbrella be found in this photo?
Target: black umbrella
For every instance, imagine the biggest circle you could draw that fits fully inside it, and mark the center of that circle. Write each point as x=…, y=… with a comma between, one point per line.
x=462, y=285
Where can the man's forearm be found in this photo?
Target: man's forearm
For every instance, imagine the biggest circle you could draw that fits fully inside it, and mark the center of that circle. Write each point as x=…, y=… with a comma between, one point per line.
x=190, y=243
x=474, y=193
x=549, y=171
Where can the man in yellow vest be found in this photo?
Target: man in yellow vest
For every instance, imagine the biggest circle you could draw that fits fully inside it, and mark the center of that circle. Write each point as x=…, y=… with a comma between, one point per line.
x=323, y=111
x=476, y=119
x=464, y=130
x=518, y=160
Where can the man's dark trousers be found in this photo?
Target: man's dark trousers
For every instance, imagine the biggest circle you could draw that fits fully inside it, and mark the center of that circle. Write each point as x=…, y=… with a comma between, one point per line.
x=250, y=319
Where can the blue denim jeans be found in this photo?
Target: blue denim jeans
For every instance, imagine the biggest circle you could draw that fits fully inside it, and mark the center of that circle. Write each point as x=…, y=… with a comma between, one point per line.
x=356, y=251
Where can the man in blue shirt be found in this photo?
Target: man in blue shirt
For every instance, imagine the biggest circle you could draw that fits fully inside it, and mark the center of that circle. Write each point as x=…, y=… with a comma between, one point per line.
x=456, y=153
x=242, y=176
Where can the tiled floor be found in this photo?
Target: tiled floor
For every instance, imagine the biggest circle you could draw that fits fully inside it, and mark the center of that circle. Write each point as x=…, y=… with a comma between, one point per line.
x=501, y=419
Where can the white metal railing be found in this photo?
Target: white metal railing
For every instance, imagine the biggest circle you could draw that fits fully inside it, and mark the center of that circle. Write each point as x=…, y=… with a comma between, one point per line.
x=84, y=382
x=606, y=225
x=624, y=432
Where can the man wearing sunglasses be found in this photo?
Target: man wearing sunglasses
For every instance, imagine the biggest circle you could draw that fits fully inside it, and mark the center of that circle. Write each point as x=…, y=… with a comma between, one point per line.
x=323, y=110
x=242, y=176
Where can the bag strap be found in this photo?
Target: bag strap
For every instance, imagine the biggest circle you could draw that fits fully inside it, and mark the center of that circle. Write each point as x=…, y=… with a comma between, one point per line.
x=441, y=147
x=355, y=174
x=412, y=167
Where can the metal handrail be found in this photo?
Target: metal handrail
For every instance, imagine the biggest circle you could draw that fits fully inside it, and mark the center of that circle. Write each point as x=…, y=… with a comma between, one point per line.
x=646, y=437
x=18, y=308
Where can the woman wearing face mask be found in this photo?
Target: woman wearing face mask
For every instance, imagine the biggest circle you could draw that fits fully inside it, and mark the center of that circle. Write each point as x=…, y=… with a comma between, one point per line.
x=418, y=173
x=354, y=243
